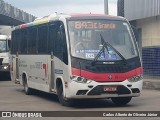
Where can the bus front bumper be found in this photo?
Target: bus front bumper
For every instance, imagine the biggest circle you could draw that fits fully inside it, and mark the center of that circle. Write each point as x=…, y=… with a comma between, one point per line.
x=103, y=90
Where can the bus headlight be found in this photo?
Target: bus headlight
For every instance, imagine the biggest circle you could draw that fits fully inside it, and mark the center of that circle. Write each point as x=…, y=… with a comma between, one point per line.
x=80, y=79
x=135, y=78
x=5, y=67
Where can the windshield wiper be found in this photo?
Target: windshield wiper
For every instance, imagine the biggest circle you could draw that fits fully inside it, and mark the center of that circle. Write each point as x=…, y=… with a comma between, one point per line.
x=105, y=45
x=100, y=52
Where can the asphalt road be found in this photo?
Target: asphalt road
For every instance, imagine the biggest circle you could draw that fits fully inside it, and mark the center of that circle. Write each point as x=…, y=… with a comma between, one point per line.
x=12, y=98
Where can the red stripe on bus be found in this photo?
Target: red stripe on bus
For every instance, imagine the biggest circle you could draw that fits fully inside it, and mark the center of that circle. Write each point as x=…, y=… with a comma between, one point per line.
x=107, y=77
x=45, y=69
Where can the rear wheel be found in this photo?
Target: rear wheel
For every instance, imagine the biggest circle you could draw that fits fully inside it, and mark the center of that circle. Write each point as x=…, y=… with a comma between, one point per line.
x=27, y=90
x=121, y=100
x=62, y=99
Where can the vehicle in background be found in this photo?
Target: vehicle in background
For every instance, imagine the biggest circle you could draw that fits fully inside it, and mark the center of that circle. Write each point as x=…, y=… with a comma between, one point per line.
x=4, y=53
x=78, y=56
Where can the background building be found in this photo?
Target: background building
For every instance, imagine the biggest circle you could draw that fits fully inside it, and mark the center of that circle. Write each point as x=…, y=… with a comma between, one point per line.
x=145, y=16
x=11, y=16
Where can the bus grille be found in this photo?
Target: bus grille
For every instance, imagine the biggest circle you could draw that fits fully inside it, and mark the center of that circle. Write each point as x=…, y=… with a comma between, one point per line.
x=101, y=69
x=98, y=90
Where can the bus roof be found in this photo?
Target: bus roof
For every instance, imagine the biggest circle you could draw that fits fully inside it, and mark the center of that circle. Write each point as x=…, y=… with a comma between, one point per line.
x=56, y=16
x=96, y=15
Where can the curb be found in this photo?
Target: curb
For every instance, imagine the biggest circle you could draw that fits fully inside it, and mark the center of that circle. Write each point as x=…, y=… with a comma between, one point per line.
x=153, y=84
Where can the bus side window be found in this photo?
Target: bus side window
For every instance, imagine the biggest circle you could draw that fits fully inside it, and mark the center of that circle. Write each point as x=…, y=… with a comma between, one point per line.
x=61, y=46
x=17, y=39
x=57, y=41
x=42, y=39
x=63, y=43
x=32, y=38
x=12, y=43
x=23, y=44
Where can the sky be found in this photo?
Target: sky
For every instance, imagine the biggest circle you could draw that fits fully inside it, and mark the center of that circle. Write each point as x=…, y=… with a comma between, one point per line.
x=41, y=8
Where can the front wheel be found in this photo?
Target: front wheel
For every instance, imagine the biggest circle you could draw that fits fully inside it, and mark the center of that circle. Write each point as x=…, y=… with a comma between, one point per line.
x=121, y=100
x=62, y=99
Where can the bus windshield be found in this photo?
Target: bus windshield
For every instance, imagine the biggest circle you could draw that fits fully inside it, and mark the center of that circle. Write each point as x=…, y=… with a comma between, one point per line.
x=86, y=40
x=3, y=46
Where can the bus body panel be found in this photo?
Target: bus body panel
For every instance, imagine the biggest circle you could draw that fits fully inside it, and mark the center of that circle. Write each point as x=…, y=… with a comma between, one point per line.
x=37, y=69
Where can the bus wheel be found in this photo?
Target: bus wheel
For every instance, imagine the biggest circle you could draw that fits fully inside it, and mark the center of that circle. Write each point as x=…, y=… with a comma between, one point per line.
x=121, y=100
x=27, y=90
x=62, y=100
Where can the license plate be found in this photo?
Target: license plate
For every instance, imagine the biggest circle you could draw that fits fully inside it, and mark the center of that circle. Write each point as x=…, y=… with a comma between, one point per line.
x=110, y=88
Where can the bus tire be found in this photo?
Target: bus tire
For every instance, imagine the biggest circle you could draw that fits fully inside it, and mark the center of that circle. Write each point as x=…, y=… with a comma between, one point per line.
x=27, y=90
x=62, y=100
x=120, y=101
